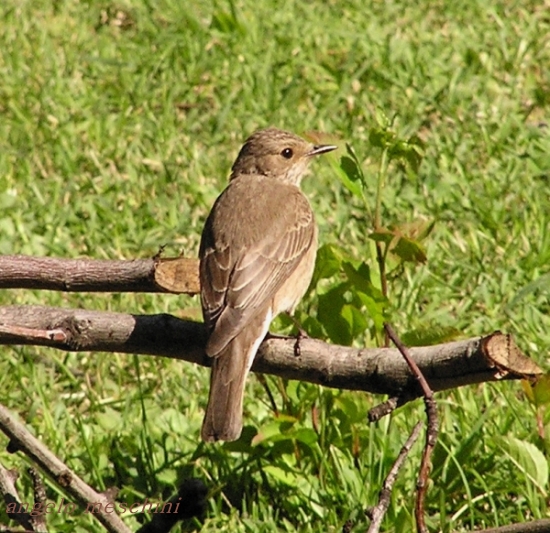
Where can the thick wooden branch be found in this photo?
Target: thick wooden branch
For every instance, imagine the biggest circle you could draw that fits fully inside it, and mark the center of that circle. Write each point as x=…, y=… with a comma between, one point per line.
x=177, y=275
x=537, y=526
x=379, y=370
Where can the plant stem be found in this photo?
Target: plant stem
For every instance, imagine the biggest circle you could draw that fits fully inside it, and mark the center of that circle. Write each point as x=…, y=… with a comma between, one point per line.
x=380, y=252
x=382, y=172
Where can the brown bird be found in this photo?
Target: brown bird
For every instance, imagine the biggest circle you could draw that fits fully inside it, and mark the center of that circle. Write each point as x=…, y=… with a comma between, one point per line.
x=257, y=255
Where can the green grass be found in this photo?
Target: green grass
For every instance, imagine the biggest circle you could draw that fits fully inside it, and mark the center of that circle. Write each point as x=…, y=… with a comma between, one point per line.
x=115, y=139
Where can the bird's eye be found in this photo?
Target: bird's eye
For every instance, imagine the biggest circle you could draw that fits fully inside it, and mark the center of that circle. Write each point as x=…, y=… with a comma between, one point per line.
x=287, y=153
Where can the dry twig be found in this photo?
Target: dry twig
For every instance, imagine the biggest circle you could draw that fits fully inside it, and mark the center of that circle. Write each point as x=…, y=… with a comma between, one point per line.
x=24, y=441
x=378, y=512
x=11, y=498
x=431, y=432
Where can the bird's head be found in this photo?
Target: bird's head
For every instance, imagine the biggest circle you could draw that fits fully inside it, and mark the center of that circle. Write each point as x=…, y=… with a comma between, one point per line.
x=277, y=154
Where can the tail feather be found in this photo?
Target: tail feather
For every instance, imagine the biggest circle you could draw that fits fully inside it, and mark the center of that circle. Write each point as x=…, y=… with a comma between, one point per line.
x=224, y=412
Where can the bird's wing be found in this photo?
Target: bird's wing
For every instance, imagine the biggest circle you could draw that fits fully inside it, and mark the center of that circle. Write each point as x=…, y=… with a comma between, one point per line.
x=240, y=276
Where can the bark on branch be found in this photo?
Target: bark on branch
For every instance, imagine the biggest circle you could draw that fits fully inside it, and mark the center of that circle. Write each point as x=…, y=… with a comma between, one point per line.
x=176, y=275
x=378, y=370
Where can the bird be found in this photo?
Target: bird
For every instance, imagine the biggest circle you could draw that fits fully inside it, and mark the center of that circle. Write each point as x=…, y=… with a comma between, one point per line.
x=257, y=255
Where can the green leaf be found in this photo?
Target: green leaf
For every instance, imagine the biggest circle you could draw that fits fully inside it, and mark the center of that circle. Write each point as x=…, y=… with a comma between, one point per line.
x=109, y=419
x=382, y=119
x=350, y=168
x=542, y=390
x=410, y=151
x=403, y=240
x=360, y=279
x=173, y=420
x=286, y=476
x=7, y=233
x=328, y=262
x=409, y=250
x=352, y=155
x=7, y=200
x=330, y=315
x=349, y=173
x=370, y=296
x=275, y=430
x=528, y=459
x=348, y=405
x=538, y=393
x=417, y=230
x=244, y=443
x=416, y=153
x=306, y=436
x=168, y=476
x=356, y=320
x=312, y=325
x=376, y=309
x=380, y=138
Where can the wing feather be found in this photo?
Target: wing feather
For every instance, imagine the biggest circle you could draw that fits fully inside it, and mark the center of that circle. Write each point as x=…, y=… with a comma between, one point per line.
x=246, y=256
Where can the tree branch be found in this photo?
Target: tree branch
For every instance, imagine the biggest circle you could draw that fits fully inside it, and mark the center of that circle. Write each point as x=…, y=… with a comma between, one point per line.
x=378, y=370
x=537, y=526
x=23, y=440
x=384, y=496
x=177, y=275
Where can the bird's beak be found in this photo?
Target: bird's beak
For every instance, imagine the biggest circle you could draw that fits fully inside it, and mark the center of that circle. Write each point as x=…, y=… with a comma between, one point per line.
x=321, y=149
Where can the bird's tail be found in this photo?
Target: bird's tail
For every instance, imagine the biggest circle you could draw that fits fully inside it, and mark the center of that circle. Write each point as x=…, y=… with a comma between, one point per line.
x=223, y=419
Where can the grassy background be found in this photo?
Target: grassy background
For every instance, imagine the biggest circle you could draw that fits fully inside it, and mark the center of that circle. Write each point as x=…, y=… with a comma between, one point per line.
x=118, y=125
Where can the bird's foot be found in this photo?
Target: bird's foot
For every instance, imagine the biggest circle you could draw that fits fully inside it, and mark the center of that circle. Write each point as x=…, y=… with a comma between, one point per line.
x=299, y=336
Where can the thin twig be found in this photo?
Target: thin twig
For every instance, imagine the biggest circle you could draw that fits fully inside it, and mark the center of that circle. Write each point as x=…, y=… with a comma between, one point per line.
x=34, y=334
x=377, y=513
x=385, y=408
x=11, y=497
x=431, y=432
x=22, y=440
x=40, y=500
